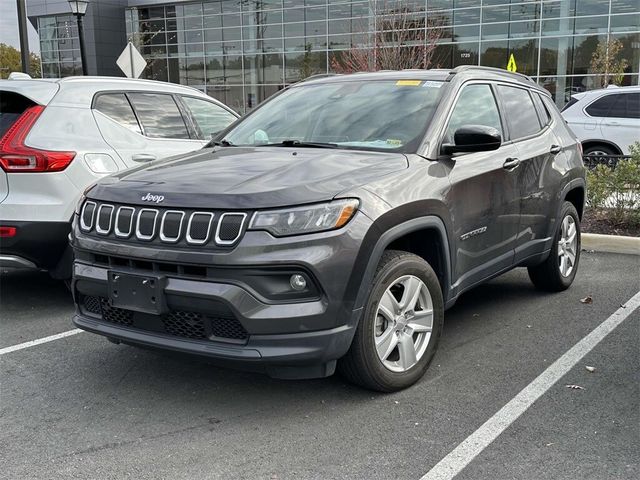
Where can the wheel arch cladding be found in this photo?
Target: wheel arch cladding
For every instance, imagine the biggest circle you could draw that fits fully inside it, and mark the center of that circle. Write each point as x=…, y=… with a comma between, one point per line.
x=576, y=196
x=424, y=236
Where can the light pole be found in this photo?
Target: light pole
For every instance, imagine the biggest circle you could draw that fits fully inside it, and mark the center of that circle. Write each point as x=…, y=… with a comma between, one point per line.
x=79, y=8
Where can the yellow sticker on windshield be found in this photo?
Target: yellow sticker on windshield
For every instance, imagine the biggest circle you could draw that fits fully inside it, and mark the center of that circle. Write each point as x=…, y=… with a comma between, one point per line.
x=393, y=141
x=409, y=83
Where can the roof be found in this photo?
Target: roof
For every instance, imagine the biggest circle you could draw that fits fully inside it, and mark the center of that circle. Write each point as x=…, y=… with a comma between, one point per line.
x=438, y=74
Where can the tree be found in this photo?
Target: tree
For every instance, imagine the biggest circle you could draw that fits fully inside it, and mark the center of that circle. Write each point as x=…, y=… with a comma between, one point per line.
x=401, y=39
x=606, y=62
x=10, y=61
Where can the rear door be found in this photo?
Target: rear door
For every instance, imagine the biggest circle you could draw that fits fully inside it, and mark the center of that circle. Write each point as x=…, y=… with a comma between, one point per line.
x=537, y=145
x=622, y=122
x=484, y=199
x=144, y=126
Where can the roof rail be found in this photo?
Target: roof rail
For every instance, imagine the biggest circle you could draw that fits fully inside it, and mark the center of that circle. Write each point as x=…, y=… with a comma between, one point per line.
x=319, y=75
x=464, y=68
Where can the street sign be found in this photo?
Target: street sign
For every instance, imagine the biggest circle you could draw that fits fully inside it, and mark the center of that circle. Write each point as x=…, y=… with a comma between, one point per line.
x=511, y=66
x=131, y=62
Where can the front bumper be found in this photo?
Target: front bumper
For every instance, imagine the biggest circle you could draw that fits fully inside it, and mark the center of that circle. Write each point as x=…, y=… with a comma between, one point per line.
x=287, y=338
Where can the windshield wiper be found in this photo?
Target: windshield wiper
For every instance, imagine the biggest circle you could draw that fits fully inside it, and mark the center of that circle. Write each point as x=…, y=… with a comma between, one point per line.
x=298, y=143
x=220, y=143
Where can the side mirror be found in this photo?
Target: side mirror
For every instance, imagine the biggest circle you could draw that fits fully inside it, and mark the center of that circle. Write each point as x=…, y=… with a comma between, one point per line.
x=474, y=138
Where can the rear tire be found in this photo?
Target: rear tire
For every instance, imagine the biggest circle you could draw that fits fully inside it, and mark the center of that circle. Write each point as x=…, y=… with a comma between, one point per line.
x=599, y=150
x=398, y=333
x=557, y=272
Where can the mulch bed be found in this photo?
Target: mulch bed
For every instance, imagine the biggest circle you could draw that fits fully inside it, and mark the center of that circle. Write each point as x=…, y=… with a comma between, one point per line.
x=598, y=221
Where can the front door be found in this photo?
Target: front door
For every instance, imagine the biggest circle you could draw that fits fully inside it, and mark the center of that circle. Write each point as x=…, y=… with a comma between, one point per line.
x=484, y=199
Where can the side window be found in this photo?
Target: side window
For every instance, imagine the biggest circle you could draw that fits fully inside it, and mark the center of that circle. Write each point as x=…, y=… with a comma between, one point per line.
x=602, y=106
x=476, y=105
x=117, y=107
x=159, y=115
x=522, y=118
x=545, y=116
x=627, y=105
x=210, y=118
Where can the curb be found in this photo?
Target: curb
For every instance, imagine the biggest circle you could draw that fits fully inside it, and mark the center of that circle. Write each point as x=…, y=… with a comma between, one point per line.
x=611, y=243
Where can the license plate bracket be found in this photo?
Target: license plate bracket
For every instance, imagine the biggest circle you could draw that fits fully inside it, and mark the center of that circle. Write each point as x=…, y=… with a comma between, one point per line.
x=140, y=293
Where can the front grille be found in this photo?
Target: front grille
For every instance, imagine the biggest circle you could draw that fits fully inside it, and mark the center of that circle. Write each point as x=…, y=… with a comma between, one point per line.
x=223, y=326
x=159, y=225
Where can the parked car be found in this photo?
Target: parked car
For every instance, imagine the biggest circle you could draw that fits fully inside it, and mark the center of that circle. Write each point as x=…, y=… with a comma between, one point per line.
x=607, y=121
x=335, y=223
x=57, y=137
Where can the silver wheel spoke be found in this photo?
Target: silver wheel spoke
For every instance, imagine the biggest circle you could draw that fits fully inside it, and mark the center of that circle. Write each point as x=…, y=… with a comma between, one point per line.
x=386, y=343
x=412, y=288
x=422, y=321
x=389, y=306
x=572, y=257
x=407, y=350
x=563, y=265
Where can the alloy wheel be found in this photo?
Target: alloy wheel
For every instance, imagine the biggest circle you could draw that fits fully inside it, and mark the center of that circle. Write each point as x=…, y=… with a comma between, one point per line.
x=403, y=324
x=567, y=246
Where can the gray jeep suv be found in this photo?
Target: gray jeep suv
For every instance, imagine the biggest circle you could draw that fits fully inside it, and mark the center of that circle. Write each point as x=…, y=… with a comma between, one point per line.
x=334, y=224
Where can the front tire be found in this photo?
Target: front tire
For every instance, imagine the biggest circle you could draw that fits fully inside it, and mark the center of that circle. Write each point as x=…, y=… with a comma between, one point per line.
x=398, y=334
x=557, y=272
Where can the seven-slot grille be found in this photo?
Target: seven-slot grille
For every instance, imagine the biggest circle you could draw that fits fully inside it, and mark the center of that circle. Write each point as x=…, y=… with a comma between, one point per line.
x=193, y=227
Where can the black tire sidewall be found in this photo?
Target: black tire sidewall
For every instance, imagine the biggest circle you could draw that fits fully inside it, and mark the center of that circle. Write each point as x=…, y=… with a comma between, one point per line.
x=408, y=265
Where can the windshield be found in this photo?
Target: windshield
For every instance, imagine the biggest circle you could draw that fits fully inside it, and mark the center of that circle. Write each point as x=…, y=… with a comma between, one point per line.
x=370, y=115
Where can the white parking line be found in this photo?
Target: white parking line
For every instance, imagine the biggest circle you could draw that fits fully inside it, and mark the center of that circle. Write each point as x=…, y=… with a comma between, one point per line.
x=33, y=343
x=474, y=444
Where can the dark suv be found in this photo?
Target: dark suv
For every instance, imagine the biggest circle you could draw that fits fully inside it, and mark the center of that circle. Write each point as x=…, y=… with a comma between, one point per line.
x=335, y=224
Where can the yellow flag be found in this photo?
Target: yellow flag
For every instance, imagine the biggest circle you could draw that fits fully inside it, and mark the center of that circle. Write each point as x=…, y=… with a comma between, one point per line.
x=511, y=66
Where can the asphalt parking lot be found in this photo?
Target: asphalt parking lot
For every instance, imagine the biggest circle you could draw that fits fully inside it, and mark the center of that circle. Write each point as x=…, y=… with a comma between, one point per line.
x=80, y=407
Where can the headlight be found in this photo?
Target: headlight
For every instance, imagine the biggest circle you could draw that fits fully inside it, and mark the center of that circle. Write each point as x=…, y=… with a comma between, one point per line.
x=306, y=219
x=83, y=197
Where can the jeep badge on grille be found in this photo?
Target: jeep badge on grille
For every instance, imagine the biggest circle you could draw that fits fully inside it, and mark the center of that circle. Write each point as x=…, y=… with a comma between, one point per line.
x=152, y=198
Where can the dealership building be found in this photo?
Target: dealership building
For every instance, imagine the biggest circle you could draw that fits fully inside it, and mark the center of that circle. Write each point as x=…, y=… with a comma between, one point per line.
x=242, y=51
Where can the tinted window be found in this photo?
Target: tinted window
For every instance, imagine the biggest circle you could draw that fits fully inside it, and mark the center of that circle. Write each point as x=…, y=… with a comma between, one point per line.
x=520, y=112
x=545, y=116
x=12, y=105
x=159, y=115
x=117, y=107
x=210, y=118
x=623, y=105
x=476, y=105
x=602, y=106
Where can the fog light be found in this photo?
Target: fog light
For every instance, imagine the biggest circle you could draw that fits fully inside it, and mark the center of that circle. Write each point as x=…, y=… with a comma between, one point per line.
x=298, y=282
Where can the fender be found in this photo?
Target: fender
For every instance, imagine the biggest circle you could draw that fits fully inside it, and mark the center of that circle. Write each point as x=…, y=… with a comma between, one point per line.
x=571, y=185
x=603, y=142
x=383, y=241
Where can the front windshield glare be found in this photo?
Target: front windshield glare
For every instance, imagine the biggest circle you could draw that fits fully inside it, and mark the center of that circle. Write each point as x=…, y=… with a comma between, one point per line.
x=371, y=115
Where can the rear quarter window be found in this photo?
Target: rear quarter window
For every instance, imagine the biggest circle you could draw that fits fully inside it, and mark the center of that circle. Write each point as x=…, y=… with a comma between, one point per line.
x=117, y=107
x=12, y=105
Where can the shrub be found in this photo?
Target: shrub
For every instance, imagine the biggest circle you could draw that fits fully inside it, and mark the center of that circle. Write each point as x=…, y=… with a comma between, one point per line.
x=617, y=189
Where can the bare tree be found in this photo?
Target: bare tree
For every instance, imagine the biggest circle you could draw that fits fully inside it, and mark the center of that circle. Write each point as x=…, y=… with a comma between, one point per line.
x=400, y=39
x=607, y=63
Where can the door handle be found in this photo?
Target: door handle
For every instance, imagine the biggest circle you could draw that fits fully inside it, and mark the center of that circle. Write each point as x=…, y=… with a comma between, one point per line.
x=511, y=163
x=555, y=149
x=143, y=157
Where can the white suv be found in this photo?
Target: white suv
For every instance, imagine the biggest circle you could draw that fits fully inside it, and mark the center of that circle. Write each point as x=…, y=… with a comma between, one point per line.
x=606, y=121
x=57, y=137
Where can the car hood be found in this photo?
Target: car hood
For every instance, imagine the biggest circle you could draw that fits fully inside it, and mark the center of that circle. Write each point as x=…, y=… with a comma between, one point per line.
x=249, y=177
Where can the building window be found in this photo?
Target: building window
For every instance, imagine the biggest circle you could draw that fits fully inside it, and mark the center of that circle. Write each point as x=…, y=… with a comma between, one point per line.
x=59, y=46
x=240, y=52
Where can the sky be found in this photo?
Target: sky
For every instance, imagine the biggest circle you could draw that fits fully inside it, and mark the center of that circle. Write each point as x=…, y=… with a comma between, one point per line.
x=9, y=27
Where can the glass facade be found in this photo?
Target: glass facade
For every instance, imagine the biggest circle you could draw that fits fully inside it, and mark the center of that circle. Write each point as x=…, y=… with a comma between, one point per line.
x=242, y=51
x=59, y=46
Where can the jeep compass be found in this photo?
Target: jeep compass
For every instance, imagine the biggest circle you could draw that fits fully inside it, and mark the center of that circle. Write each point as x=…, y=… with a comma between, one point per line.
x=334, y=224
